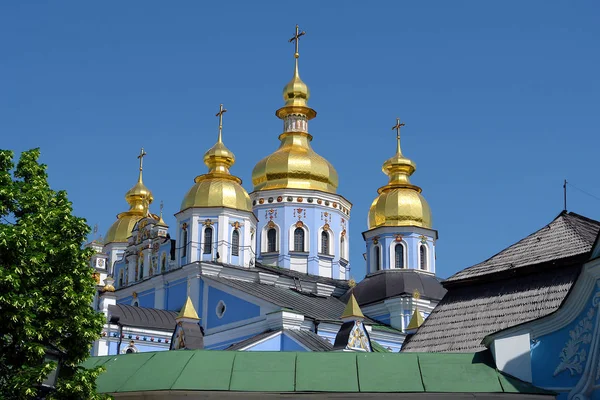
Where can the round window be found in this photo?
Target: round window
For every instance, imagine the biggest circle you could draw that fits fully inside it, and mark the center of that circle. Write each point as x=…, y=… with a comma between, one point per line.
x=221, y=308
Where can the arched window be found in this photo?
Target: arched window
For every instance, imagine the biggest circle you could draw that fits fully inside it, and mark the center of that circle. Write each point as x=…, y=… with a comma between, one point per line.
x=399, y=255
x=377, y=258
x=136, y=304
x=120, y=278
x=423, y=254
x=343, y=247
x=163, y=262
x=324, y=242
x=235, y=243
x=208, y=233
x=271, y=240
x=184, y=239
x=299, y=239
x=141, y=269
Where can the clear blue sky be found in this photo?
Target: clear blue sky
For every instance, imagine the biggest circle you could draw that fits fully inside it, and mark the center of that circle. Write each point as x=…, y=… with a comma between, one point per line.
x=501, y=102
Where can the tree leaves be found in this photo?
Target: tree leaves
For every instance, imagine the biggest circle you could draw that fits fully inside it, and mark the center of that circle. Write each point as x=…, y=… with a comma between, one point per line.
x=46, y=284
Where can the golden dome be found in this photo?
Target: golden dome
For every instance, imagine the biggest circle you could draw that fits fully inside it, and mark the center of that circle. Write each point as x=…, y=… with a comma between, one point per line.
x=139, y=198
x=399, y=203
x=295, y=164
x=218, y=188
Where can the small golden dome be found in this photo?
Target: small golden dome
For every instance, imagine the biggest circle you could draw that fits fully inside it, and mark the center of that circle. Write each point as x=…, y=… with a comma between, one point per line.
x=399, y=203
x=218, y=188
x=296, y=93
x=139, y=198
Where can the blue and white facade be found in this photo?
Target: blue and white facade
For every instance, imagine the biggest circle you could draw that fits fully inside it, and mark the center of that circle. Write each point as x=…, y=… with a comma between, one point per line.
x=304, y=231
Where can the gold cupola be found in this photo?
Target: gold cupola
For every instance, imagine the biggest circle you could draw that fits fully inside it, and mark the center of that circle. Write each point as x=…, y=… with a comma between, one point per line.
x=399, y=203
x=139, y=198
x=295, y=164
x=218, y=188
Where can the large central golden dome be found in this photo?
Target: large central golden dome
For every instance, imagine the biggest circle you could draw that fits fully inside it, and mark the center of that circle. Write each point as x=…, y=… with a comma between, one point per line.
x=399, y=203
x=295, y=164
x=218, y=188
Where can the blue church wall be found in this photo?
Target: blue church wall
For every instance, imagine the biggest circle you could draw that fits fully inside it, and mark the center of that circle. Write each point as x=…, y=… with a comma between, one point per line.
x=146, y=298
x=391, y=346
x=559, y=358
x=288, y=344
x=236, y=309
x=176, y=294
x=125, y=300
x=225, y=344
x=272, y=344
x=314, y=217
x=328, y=335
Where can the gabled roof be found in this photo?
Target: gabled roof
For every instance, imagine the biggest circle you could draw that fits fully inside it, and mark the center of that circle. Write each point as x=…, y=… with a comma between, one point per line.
x=142, y=317
x=308, y=339
x=218, y=374
x=468, y=313
x=568, y=235
x=322, y=308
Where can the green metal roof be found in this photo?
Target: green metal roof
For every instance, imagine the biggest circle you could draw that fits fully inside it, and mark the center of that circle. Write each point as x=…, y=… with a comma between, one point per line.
x=205, y=370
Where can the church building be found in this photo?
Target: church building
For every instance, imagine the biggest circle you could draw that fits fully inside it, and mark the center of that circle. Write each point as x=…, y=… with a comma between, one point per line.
x=269, y=269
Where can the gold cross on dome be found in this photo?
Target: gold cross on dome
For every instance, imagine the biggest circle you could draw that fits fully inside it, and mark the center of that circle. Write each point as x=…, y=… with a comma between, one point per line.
x=397, y=127
x=220, y=115
x=141, y=157
x=295, y=39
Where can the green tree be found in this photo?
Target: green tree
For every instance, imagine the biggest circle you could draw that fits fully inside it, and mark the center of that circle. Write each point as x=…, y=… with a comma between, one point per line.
x=46, y=284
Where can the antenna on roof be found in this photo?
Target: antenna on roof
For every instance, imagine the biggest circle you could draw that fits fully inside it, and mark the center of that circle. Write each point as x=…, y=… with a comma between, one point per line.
x=565, y=194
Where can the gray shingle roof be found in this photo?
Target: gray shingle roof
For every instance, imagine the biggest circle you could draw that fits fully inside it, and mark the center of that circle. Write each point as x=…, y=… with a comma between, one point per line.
x=142, y=317
x=308, y=339
x=316, y=307
x=526, y=281
x=469, y=313
x=569, y=234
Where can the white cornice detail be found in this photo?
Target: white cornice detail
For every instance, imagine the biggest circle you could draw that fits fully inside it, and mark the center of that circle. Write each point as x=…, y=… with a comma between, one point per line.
x=324, y=289
x=267, y=279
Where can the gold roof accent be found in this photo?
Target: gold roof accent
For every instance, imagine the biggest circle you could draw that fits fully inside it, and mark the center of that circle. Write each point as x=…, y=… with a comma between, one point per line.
x=295, y=164
x=416, y=320
x=161, y=221
x=352, y=309
x=399, y=203
x=218, y=188
x=188, y=311
x=139, y=198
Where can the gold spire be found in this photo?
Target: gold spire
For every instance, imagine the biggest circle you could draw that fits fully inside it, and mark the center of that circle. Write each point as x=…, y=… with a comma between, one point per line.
x=416, y=320
x=139, y=198
x=188, y=311
x=218, y=188
x=399, y=203
x=352, y=309
x=161, y=221
x=295, y=165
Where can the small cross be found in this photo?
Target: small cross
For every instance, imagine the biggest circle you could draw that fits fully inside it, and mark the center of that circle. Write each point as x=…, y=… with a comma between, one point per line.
x=141, y=157
x=397, y=127
x=220, y=115
x=295, y=39
x=161, y=207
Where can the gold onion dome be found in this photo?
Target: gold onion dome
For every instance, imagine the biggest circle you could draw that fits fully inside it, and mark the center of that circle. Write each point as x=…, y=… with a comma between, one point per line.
x=295, y=164
x=139, y=198
x=399, y=203
x=218, y=188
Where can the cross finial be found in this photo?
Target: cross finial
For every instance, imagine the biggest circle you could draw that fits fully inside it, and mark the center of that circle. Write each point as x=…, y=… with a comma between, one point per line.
x=161, y=208
x=220, y=115
x=397, y=128
x=141, y=158
x=295, y=39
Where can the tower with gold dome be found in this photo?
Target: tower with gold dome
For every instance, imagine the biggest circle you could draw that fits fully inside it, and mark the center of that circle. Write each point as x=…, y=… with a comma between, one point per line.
x=215, y=221
x=303, y=223
x=400, y=234
x=139, y=198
